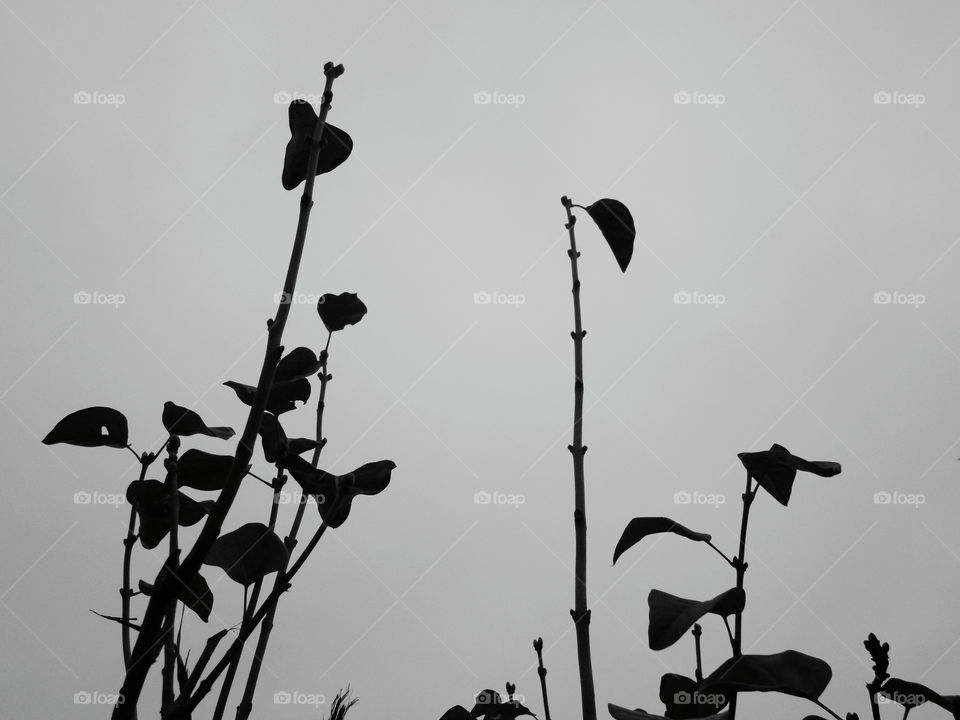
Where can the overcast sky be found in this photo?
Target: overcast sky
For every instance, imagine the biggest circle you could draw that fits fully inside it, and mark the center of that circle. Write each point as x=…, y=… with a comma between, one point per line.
x=793, y=169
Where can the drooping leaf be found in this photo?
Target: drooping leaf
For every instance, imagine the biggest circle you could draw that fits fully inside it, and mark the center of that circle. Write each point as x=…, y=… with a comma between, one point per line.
x=299, y=363
x=151, y=500
x=621, y=713
x=672, y=616
x=276, y=445
x=196, y=595
x=616, y=223
x=334, y=494
x=775, y=470
x=336, y=145
x=338, y=311
x=638, y=528
x=181, y=421
x=457, y=712
x=283, y=396
x=90, y=427
x=789, y=672
x=248, y=553
x=202, y=470
x=684, y=700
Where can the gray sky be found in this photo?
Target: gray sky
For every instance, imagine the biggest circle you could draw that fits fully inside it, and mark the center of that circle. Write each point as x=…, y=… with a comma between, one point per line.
x=781, y=198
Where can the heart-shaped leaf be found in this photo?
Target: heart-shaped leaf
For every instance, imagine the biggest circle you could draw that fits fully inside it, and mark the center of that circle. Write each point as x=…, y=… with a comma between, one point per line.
x=672, y=616
x=181, y=421
x=334, y=493
x=297, y=364
x=196, y=595
x=621, y=713
x=638, y=528
x=789, y=672
x=775, y=470
x=336, y=145
x=283, y=396
x=683, y=699
x=338, y=311
x=90, y=427
x=248, y=553
x=616, y=223
x=151, y=500
x=202, y=470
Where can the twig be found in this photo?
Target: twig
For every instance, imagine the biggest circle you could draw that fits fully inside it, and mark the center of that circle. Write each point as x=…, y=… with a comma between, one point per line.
x=741, y=567
x=542, y=672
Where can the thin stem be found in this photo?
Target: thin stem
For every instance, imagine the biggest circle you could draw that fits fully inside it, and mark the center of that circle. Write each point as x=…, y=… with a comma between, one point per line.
x=147, y=646
x=832, y=713
x=129, y=541
x=170, y=645
x=246, y=702
x=874, y=705
x=741, y=567
x=697, y=632
x=135, y=453
x=580, y=612
x=729, y=560
x=542, y=672
x=726, y=624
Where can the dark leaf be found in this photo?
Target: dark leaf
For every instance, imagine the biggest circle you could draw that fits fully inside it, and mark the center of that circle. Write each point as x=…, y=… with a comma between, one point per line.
x=789, y=672
x=299, y=363
x=457, y=712
x=776, y=468
x=202, y=470
x=248, y=553
x=338, y=311
x=684, y=701
x=336, y=492
x=151, y=500
x=298, y=446
x=622, y=713
x=90, y=427
x=490, y=705
x=672, y=616
x=638, y=528
x=283, y=396
x=616, y=223
x=145, y=587
x=181, y=421
x=911, y=695
x=336, y=145
x=197, y=596
x=118, y=620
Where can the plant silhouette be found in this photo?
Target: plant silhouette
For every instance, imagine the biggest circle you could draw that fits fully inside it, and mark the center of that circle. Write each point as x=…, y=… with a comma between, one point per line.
x=248, y=554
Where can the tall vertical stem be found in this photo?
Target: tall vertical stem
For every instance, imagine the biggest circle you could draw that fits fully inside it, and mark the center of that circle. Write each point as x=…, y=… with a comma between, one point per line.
x=580, y=612
x=147, y=647
x=128, y=542
x=170, y=649
x=542, y=672
x=741, y=566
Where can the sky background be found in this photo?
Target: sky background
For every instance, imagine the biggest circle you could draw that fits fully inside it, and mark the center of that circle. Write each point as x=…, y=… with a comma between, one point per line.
x=782, y=198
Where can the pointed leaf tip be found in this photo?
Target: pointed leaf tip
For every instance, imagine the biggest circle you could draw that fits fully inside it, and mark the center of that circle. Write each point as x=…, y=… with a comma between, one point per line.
x=639, y=528
x=616, y=224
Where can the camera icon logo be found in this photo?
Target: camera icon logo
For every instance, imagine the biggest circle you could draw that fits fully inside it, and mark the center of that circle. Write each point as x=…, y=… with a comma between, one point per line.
x=82, y=497
x=882, y=97
x=682, y=298
x=82, y=698
x=482, y=97
x=82, y=298
x=682, y=698
x=682, y=97
x=882, y=297
x=882, y=498
x=282, y=97
x=682, y=497
x=482, y=297
x=282, y=698
x=82, y=97
x=482, y=498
